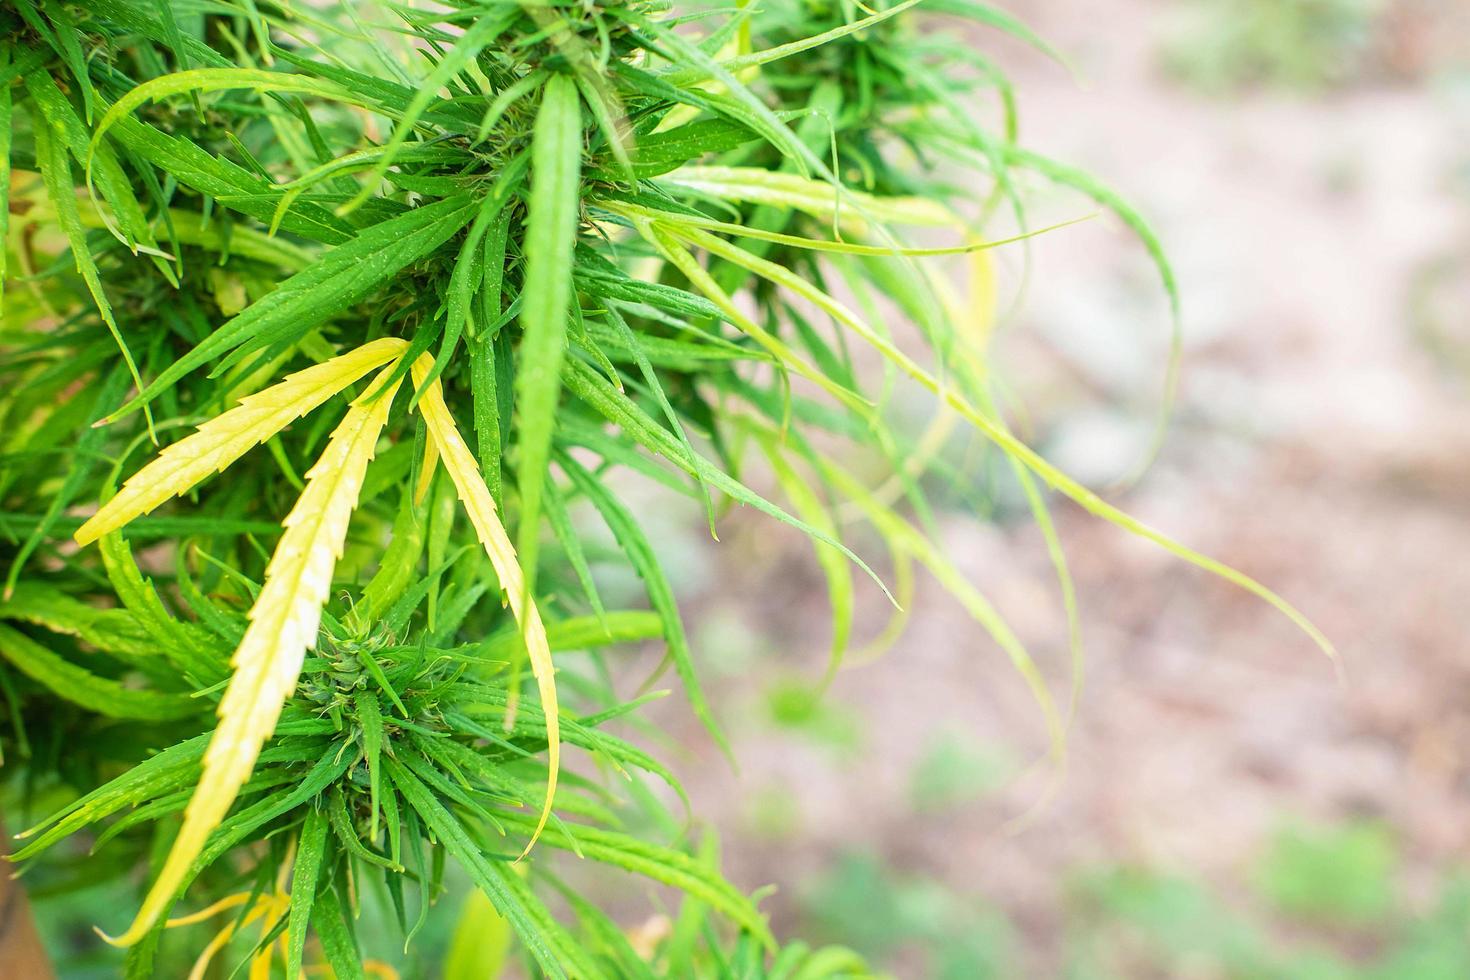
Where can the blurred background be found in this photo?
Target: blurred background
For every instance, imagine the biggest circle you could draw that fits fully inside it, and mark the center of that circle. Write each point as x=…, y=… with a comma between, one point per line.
x=1230, y=808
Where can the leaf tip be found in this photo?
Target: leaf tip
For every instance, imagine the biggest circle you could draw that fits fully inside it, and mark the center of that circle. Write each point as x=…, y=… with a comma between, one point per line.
x=134, y=933
x=86, y=534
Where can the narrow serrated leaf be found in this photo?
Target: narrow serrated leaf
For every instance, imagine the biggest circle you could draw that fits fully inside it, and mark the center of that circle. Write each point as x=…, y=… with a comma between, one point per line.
x=311, y=849
x=551, y=234
x=226, y=437
x=343, y=276
x=72, y=683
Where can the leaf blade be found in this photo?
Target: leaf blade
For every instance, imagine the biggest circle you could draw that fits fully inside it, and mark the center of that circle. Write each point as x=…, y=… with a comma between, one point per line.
x=556, y=156
x=480, y=506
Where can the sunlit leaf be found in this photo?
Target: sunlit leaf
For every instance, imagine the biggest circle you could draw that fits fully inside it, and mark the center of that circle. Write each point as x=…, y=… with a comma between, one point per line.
x=283, y=626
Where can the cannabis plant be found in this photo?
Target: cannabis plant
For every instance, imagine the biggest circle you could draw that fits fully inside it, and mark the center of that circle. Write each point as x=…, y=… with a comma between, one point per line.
x=329, y=331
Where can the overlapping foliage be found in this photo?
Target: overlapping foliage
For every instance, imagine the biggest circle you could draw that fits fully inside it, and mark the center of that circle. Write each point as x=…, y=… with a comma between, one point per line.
x=539, y=243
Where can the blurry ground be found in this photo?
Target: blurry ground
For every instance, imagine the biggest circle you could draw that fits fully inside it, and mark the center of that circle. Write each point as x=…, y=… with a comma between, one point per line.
x=1318, y=215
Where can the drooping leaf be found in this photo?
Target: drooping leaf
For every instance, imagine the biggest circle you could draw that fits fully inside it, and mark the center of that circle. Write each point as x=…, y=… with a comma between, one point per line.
x=543, y=938
x=635, y=544
x=469, y=483
x=56, y=173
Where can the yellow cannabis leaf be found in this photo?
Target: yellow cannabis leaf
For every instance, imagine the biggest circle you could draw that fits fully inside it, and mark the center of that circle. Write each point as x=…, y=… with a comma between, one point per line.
x=271, y=910
x=226, y=437
x=426, y=471
x=267, y=909
x=283, y=626
x=853, y=210
x=475, y=495
x=286, y=615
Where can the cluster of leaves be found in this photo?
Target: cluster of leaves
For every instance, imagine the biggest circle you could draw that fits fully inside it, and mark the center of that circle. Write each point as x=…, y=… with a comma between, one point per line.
x=510, y=248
